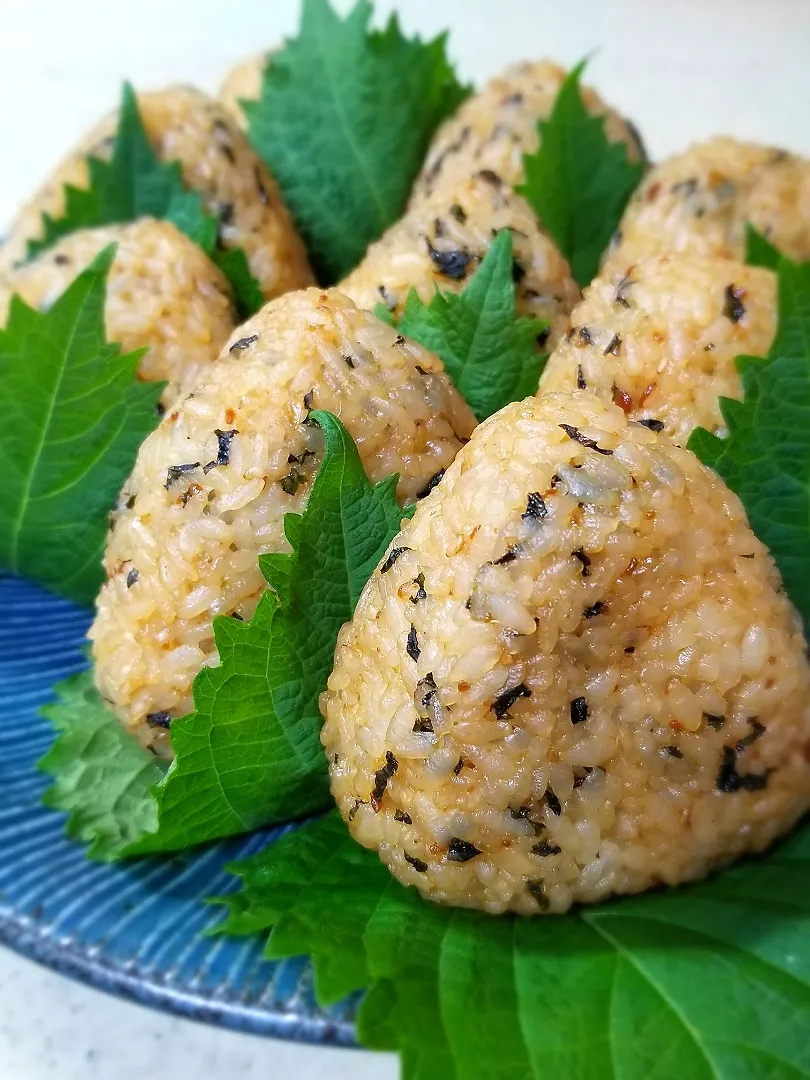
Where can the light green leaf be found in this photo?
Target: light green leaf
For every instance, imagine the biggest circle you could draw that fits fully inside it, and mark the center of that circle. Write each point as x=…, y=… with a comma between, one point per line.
x=577, y=181
x=490, y=354
x=103, y=777
x=344, y=121
x=710, y=982
x=73, y=419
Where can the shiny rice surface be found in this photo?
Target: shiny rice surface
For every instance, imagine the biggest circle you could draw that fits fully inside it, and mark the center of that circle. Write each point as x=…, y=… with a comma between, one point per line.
x=698, y=203
x=573, y=675
x=659, y=338
x=494, y=128
x=187, y=126
x=212, y=483
x=163, y=292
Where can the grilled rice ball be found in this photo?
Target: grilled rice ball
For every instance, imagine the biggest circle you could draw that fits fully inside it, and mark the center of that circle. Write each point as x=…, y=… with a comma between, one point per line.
x=698, y=203
x=187, y=126
x=441, y=241
x=659, y=338
x=243, y=83
x=212, y=483
x=162, y=292
x=573, y=674
x=494, y=128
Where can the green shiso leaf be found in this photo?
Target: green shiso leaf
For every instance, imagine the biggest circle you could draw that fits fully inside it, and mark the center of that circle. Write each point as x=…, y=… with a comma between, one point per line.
x=73, y=419
x=578, y=182
x=103, y=776
x=765, y=459
x=250, y=752
x=490, y=354
x=759, y=251
x=135, y=183
x=709, y=982
x=343, y=122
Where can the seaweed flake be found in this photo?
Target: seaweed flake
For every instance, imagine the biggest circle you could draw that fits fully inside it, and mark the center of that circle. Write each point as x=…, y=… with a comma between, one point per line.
x=504, y=702
x=652, y=425
x=132, y=577
x=536, y=508
x=585, y=336
x=243, y=343
x=729, y=779
x=224, y=440
x=581, y=384
x=459, y=765
x=431, y=484
x=538, y=893
x=381, y=778
x=620, y=297
x=521, y=812
x=546, y=847
x=241, y=618
x=594, y=610
x=130, y=502
x=423, y=725
x=308, y=399
x=226, y=213
x=158, y=719
x=451, y=264
x=461, y=850
x=403, y=816
x=419, y=866
x=672, y=751
x=552, y=802
x=293, y=481
x=508, y=556
x=459, y=213
x=389, y=300
x=733, y=307
x=419, y=582
x=579, y=710
x=543, y=336
x=586, y=772
x=590, y=444
x=583, y=558
x=412, y=646
x=357, y=804
x=392, y=557
x=714, y=721
x=175, y=472
x=614, y=346
x=349, y=360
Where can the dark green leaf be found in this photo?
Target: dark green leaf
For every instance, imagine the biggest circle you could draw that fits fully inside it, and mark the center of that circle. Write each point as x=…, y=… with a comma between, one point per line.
x=710, y=982
x=73, y=419
x=135, y=183
x=759, y=251
x=766, y=457
x=250, y=754
x=491, y=355
x=344, y=121
x=103, y=776
x=577, y=181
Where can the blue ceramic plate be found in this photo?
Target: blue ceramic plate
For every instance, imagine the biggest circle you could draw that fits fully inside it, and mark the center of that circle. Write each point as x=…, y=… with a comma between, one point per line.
x=136, y=930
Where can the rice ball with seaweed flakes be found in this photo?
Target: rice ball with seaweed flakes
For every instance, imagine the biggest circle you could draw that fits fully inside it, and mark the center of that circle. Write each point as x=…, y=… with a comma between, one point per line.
x=574, y=674
x=440, y=242
x=496, y=127
x=659, y=338
x=216, y=159
x=212, y=483
x=699, y=202
x=162, y=292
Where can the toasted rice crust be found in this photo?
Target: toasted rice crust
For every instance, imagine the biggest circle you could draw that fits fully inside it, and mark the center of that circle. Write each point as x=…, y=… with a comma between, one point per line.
x=162, y=292
x=494, y=128
x=184, y=542
x=465, y=220
x=660, y=338
x=617, y=687
x=698, y=203
x=185, y=125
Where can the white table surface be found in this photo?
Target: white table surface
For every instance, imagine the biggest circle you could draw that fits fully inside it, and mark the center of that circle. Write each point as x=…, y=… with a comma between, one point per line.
x=682, y=70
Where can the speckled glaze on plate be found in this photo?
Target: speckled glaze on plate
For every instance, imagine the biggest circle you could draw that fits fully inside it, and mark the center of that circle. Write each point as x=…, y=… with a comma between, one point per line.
x=136, y=930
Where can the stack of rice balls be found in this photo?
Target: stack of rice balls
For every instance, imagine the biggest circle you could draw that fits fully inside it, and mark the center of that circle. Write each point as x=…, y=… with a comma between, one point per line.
x=575, y=672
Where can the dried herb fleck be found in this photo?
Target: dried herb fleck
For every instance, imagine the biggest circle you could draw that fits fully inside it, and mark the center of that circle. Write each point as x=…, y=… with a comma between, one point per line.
x=591, y=444
x=419, y=866
x=594, y=610
x=412, y=646
x=461, y=850
x=733, y=307
x=158, y=719
x=546, y=847
x=431, y=484
x=420, y=594
x=503, y=703
x=552, y=802
x=403, y=816
x=536, y=508
x=451, y=264
x=381, y=778
x=583, y=558
x=392, y=557
x=243, y=343
x=132, y=577
x=175, y=472
x=579, y=710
